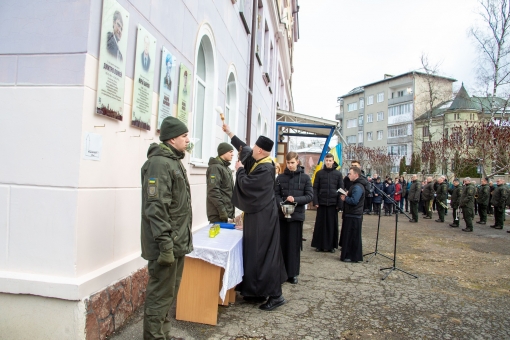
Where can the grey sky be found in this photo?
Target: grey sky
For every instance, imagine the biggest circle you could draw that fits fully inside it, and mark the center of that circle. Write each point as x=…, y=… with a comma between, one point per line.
x=344, y=44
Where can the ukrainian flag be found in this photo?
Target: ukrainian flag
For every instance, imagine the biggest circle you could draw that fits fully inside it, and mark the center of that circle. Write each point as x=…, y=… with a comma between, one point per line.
x=337, y=154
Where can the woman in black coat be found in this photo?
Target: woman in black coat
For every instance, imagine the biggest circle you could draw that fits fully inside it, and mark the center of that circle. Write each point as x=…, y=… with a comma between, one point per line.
x=292, y=186
x=389, y=189
x=327, y=200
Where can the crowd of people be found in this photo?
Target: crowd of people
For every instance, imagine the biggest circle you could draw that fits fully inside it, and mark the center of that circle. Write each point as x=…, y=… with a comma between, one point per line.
x=272, y=241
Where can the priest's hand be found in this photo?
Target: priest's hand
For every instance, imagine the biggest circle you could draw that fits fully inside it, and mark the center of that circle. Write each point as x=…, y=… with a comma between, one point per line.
x=225, y=128
x=239, y=165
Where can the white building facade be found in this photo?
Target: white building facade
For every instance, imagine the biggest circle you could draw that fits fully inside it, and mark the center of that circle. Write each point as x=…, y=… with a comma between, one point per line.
x=70, y=265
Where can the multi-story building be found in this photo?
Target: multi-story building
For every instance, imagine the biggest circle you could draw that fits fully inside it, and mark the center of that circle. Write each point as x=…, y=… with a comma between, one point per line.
x=382, y=113
x=70, y=262
x=442, y=121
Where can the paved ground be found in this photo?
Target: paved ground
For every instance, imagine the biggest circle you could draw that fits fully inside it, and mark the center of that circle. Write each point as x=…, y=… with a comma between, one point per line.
x=462, y=290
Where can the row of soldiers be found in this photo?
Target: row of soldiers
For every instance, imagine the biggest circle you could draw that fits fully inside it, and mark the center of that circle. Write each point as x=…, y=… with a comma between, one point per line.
x=463, y=199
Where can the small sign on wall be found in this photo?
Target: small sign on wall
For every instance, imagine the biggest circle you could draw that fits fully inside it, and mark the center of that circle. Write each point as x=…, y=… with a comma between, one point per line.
x=93, y=144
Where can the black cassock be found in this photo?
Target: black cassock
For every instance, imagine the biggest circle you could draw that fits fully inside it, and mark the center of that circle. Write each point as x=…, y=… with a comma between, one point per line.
x=264, y=270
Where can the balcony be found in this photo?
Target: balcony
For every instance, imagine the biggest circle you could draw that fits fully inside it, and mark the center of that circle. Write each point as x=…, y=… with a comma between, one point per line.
x=398, y=100
x=339, y=116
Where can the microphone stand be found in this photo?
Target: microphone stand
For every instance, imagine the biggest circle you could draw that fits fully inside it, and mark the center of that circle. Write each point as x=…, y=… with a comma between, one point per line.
x=397, y=207
x=375, y=252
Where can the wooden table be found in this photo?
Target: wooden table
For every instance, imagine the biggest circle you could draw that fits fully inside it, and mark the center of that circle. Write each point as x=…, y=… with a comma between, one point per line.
x=210, y=273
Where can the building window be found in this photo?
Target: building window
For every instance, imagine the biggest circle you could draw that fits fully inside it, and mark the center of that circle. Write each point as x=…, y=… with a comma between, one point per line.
x=352, y=107
x=360, y=120
x=351, y=139
x=400, y=110
x=360, y=137
x=380, y=97
x=398, y=131
x=259, y=124
x=351, y=123
x=361, y=103
x=400, y=93
x=370, y=118
x=370, y=100
x=379, y=134
x=397, y=150
x=230, y=103
x=380, y=116
x=203, y=117
x=370, y=136
x=456, y=116
x=425, y=131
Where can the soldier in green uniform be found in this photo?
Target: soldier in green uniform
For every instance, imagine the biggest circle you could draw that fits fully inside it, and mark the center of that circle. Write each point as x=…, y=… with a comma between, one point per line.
x=166, y=224
x=456, y=192
x=499, y=198
x=414, y=197
x=220, y=185
x=441, y=197
x=483, y=196
x=467, y=203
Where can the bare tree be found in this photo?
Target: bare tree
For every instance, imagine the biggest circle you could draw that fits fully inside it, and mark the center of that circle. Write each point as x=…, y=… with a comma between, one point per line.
x=494, y=49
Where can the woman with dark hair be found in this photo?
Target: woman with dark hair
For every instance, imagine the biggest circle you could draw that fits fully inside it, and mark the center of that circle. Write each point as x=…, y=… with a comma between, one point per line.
x=293, y=186
x=327, y=201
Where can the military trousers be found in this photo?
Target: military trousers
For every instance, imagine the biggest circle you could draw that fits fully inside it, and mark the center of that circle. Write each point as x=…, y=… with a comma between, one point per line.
x=499, y=216
x=468, y=214
x=456, y=212
x=414, y=210
x=428, y=208
x=162, y=289
x=482, y=211
x=440, y=211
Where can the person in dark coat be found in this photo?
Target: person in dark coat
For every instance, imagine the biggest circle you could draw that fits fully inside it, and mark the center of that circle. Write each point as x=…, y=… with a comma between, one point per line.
x=327, y=200
x=484, y=194
x=352, y=249
x=414, y=197
x=441, y=197
x=428, y=197
x=264, y=271
x=377, y=199
x=220, y=185
x=389, y=190
x=455, y=193
x=296, y=187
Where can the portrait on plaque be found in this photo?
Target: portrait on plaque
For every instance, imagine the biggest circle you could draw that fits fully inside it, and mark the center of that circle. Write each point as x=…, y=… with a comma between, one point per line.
x=166, y=93
x=184, y=94
x=112, y=66
x=143, y=80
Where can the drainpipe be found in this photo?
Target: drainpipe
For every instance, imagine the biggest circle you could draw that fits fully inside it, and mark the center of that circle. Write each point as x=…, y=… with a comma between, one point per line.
x=252, y=63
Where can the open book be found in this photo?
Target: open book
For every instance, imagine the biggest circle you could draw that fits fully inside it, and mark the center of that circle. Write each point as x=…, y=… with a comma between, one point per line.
x=342, y=192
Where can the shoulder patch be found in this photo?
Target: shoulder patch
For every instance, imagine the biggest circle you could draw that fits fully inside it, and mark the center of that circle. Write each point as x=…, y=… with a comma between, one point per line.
x=152, y=187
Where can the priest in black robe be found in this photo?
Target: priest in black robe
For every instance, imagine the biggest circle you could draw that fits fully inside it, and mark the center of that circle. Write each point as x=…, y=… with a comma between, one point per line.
x=352, y=250
x=264, y=270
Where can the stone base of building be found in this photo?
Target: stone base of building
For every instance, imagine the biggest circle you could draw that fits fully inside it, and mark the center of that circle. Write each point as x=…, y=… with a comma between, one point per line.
x=109, y=309
x=24, y=316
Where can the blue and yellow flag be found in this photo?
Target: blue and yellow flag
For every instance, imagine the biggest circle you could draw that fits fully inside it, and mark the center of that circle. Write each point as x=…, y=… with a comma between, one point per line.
x=337, y=154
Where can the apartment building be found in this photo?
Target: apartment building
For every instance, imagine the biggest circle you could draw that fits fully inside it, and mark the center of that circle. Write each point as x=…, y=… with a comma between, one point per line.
x=382, y=113
x=70, y=264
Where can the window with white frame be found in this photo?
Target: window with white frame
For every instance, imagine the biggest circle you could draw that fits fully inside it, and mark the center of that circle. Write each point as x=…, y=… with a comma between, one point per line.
x=400, y=109
x=264, y=132
x=370, y=136
x=397, y=150
x=361, y=103
x=398, y=131
x=352, y=107
x=380, y=116
x=360, y=137
x=259, y=124
x=351, y=123
x=203, y=117
x=360, y=120
x=425, y=131
x=351, y=139
x=379, y=134
x=230, y=102
x=370, y=100
x=380, y=97
x=370, y=118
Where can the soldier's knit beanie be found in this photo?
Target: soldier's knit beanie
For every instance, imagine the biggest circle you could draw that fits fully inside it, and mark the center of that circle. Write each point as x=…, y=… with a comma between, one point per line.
x=223, y=148
x=171, y=127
